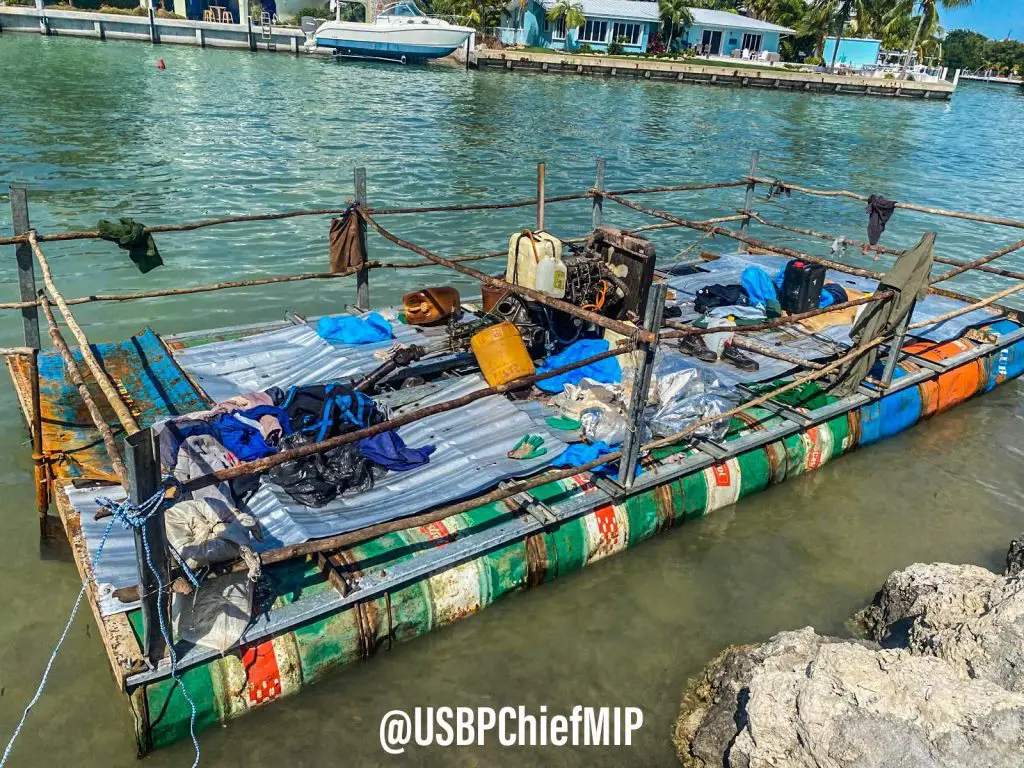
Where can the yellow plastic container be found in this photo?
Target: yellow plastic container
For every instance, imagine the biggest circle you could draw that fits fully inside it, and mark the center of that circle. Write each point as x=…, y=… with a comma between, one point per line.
x=501, y=353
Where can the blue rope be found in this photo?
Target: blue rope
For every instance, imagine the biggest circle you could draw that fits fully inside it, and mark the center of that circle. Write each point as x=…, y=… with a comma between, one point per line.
x=130, y=516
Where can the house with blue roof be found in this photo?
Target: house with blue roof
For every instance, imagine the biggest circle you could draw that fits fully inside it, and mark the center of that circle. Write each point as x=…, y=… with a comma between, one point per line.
x=633, y=22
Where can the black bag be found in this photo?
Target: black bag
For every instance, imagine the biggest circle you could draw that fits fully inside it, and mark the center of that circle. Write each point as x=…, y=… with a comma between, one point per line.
x=801, y=286
x=711, y=296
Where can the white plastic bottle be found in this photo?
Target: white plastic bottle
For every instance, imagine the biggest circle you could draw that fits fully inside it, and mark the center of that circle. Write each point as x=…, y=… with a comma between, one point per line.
x=551, y=275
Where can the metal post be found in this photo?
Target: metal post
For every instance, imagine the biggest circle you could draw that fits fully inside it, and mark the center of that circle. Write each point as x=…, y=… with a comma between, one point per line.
x=467, y=54
x=144, y=479
x=598, y=199
x=38, y=460
x=363, y=275
x=540, y=197
x=895, y=348
x=154, y=36
x=26, y=269
x=748, y=201
x=641, y=383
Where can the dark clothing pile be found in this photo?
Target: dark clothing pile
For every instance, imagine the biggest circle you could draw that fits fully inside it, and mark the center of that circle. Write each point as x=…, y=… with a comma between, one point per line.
x=258, y=424
x=879, y=212
x=323, y=411
x=711, y=296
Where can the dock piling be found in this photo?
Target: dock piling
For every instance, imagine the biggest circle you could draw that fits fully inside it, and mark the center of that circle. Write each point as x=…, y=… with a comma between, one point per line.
x=540, y=197
x=38, y=460
x=641, y=383
x=26, y=270
x=363, y=275
x=748, y=201
x=154, y=567
x=598, y=186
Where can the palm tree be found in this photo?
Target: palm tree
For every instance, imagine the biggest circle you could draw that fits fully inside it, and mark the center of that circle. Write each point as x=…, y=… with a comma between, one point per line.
x=929, y=19
x=674, y=13
x=572, y=12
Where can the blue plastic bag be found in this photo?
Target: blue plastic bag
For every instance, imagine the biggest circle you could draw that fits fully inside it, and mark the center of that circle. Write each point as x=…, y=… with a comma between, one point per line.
x=607, y=371
x=348, y=329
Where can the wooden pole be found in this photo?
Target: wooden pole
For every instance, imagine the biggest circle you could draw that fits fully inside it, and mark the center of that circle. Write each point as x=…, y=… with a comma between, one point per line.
x=151, y=554
x=75, y=375
x=760, y=349
x=124, y=415
x=598, y=201
x=26, y=271
x=748, y=200
x=641, y=383
x=363, y=274
x=540, y=197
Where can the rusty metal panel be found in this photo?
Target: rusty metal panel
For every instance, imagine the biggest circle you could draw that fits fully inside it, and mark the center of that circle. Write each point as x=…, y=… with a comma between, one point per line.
x=149, y=380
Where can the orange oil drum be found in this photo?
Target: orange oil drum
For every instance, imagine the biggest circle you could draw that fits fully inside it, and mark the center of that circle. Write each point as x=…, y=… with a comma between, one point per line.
x=953, y=387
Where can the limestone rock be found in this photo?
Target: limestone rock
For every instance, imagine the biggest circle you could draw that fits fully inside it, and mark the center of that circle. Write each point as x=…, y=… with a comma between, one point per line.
x=802, y=700
x=966, y=615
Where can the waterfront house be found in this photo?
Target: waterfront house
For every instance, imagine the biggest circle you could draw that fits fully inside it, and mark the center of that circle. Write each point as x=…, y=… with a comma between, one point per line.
x=633, y=22
x=719, y=33
x=630, y=21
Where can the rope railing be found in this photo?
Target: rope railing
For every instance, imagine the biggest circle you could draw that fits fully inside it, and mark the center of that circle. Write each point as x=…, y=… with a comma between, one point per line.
x=1001, y=221
x=780, y=250
x=279, y=215
x=961, y=266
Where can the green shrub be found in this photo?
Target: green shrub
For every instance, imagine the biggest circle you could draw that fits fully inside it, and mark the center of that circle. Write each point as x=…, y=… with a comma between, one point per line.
x=585, y=48
x=814, y=61
x=616, y=47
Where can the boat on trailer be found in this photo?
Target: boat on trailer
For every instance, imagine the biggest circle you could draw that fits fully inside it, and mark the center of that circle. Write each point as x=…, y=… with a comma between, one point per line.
x=363, y=573
x=400, y=32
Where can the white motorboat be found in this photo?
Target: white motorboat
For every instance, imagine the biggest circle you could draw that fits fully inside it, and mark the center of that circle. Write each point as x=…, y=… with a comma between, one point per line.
x=400, y=31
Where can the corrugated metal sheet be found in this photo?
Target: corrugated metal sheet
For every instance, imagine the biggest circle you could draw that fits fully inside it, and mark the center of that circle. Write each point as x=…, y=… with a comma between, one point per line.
x=116, y=568
x=472, y=443
x=290, y=356
x=150, y=382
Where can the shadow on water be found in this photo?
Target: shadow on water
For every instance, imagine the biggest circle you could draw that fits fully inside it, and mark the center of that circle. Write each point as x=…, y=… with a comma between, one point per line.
x=97, y=131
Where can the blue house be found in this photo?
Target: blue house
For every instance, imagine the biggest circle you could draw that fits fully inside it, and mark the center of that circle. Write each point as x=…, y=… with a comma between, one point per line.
x=631, y=21
x=719, y=33
x=855, y=52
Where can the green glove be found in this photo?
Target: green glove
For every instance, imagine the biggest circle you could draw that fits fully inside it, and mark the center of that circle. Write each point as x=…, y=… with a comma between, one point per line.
x=528, y=447
x=562, y=422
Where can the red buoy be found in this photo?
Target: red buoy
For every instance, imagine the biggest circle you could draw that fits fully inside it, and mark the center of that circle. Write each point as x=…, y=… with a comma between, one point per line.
x=160, y=64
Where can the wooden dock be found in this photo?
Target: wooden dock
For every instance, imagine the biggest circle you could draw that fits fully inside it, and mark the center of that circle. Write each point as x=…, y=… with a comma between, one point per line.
x=692, y=71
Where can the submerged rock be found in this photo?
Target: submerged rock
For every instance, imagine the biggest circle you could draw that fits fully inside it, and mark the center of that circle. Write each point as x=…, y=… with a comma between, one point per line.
x=945, y=687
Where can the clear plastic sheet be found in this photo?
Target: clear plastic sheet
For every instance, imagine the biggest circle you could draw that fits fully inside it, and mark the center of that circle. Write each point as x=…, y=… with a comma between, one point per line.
x=682, y=395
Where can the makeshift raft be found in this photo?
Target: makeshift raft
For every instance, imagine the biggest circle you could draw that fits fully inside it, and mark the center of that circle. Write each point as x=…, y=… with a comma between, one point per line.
x=343, y=583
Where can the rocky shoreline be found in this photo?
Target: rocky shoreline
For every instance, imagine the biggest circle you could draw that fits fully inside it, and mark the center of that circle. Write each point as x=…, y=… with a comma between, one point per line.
x=937, y=680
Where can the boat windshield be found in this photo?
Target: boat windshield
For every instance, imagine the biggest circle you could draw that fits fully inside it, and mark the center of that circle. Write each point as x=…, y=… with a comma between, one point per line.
x=401, y=9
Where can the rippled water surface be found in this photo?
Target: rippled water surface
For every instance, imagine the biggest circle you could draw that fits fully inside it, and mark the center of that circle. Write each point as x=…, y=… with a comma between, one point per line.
x=94, y=130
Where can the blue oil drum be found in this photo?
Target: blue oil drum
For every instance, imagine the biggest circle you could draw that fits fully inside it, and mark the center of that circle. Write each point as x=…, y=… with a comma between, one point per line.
x=890, y=415
x=1007, y=363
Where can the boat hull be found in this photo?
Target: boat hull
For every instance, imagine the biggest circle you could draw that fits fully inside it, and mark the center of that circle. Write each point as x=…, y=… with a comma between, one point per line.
x=409, y=42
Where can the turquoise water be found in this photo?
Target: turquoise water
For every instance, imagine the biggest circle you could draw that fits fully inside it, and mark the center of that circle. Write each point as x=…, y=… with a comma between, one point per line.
x=94, y=130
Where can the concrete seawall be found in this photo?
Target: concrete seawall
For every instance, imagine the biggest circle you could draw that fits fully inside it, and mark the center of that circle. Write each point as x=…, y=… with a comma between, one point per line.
x=684, y=72
x=103, y=26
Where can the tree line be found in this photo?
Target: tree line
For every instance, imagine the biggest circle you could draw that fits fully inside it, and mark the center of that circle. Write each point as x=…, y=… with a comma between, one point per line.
x=968, y=50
